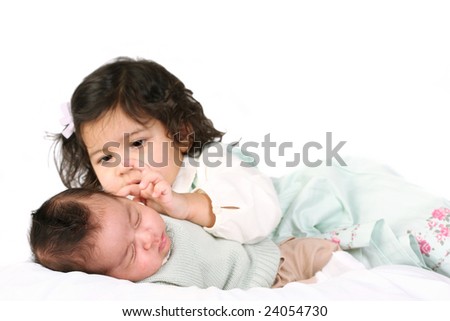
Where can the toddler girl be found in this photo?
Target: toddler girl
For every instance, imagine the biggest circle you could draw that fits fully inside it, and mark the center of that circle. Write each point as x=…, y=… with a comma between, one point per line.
x=131, y=116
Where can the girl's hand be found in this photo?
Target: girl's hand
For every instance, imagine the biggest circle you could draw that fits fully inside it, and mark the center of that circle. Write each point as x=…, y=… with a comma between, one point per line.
x=154, y=191
x=158, y=194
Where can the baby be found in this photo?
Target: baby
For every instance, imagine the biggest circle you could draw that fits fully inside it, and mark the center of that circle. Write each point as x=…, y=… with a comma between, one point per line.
x=99, y=233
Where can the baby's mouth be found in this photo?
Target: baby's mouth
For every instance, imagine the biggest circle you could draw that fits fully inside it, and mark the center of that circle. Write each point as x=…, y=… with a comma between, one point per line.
x=162, y=243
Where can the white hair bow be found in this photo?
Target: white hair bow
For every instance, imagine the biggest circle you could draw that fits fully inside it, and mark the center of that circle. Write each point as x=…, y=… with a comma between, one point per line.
x=67, y=121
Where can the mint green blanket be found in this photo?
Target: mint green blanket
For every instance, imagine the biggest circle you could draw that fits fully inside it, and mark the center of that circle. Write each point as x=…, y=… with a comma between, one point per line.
x=370, y=211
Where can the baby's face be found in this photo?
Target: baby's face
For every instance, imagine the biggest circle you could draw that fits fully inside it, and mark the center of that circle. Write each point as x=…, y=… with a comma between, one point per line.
x=132, y=242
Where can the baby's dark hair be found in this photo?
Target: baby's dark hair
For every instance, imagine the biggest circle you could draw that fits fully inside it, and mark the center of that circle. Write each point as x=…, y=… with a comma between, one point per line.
x=144, y=90
x=63, y=231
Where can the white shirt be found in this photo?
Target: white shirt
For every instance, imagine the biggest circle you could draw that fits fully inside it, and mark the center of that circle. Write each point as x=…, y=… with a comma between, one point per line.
x=243, y=199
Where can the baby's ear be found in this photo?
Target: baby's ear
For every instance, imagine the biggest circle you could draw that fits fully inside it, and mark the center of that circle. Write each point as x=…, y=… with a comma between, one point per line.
x=185, y=137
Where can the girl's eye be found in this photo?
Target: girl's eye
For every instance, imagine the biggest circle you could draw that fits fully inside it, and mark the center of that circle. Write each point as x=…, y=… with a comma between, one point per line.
x=105, y=159
x=138, y=143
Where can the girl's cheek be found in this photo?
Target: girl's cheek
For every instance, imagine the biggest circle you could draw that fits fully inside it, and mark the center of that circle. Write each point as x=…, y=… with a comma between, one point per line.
x=107, y=184
x=104, y=180
x=109, y=180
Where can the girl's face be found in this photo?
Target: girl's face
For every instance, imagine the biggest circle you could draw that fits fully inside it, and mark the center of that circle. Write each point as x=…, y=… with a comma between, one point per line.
x=132, y=242
x=119, y=147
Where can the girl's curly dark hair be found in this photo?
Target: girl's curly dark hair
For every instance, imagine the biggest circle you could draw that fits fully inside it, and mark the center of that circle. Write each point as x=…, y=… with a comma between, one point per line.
x=144, y=90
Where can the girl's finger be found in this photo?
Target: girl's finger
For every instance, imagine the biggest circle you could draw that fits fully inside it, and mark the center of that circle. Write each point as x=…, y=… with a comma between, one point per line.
x=150, y=177
x=127, y=190
x=161, y=188
x=148, y=191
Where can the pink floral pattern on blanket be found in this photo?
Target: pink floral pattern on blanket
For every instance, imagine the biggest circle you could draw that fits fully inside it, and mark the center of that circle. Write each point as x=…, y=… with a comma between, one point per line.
x=344, y=237
x=429, y=239
x=434, y=239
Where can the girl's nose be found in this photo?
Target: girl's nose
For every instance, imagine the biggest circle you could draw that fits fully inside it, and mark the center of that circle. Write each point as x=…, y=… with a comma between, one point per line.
x=127, y=164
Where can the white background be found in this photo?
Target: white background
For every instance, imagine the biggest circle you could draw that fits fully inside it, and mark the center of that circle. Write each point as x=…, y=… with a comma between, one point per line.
x=376, y=74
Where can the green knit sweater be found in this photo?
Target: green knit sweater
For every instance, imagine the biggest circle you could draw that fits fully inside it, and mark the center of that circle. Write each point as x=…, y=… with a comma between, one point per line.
x=199, y=259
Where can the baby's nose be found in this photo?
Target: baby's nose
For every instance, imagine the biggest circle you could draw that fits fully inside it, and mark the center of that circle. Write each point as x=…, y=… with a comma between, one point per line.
x=147, y=239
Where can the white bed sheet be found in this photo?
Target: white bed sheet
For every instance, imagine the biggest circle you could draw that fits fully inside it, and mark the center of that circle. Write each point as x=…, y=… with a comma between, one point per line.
x=30, y=281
